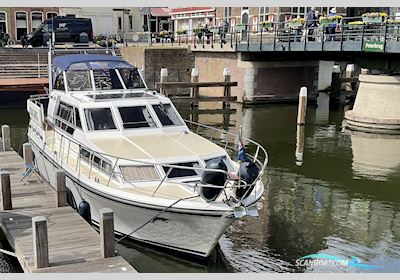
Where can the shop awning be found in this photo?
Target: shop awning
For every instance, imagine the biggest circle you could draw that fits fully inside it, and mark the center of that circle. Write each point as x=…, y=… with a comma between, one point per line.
x=159, y=12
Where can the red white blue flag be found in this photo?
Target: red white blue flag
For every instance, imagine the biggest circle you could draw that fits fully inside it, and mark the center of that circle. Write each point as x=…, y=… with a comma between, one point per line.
x=241, y=150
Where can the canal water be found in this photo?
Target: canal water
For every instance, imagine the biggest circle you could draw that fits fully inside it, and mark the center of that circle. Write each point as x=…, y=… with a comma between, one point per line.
x=341, y=198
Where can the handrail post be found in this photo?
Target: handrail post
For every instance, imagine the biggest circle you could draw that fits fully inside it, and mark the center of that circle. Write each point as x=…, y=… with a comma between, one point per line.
x=248, y=36
x=275, y=25
x=362, y=37
x=112, y=172
x=341, y=37
x=385, y=37
x=261, y=48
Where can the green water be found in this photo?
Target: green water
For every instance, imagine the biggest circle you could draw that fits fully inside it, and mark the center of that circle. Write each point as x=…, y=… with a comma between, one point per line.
x=344, y=200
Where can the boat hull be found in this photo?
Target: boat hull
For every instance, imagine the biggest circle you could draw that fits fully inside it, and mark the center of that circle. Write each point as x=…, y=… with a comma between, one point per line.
x=191, y=233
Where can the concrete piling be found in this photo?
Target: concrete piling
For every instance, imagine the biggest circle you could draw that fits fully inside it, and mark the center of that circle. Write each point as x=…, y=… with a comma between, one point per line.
x=40, y=242
x=107, y=244
x=6, y=138
x=6, y=190
x=61, y=188
x=302, y=109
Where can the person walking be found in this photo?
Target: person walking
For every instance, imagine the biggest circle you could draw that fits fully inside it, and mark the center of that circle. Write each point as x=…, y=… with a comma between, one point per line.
x=332, y=26
x=311, y=24
x=224, y=31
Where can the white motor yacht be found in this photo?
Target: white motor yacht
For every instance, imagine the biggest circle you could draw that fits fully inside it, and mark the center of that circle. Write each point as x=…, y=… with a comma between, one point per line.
x=125, y=147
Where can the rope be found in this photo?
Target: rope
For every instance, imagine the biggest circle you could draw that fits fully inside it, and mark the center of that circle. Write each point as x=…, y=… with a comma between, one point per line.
x=153, y=218
x=12, y=254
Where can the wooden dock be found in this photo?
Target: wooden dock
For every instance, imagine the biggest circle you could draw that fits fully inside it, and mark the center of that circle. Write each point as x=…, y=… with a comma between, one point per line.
x=73, y=245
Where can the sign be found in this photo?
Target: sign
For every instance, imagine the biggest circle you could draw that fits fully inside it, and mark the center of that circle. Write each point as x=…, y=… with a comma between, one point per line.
x=374, y=46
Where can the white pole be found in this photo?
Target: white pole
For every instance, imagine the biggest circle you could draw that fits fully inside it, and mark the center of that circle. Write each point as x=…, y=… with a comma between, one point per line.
x=301, y=113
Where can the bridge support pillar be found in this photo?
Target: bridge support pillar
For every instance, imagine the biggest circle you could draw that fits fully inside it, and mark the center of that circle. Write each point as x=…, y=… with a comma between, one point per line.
x=377, y=104
x=250, y=83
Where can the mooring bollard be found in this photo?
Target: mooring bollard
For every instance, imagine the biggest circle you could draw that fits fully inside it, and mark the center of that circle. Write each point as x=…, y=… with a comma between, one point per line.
x=335, y=86
x=302, y=109
x=163, y=79
x=27, y=154
x=6, y=190
x=60, y=188
x=194, y=92
x=107, y=244
x=5, y=136
x=40, y=242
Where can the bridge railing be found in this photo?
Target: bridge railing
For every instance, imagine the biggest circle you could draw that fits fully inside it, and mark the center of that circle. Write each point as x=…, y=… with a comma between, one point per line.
x=347, y=29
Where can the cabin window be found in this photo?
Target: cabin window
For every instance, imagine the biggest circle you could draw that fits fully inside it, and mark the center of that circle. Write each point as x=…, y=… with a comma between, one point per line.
x=60, y=82
x=99, y=119
x=106, y=79
x=85, y=155
x=79, y=80
x=78, y=118
x=131, y=78
x=136, y=117
x=64, y=118
x=166, y=114
x=139, y=173
x=177, y=172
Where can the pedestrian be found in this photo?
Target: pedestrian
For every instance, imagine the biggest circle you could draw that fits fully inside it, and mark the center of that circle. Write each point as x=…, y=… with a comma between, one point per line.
x=311, y=24
x=224, y=31
x=332, y=26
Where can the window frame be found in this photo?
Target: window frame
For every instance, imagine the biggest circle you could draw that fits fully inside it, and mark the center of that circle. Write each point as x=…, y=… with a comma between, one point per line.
x=149, y=110
x=31, y=18
x=26, y=20
x=173, y=109
x=5, y=20
x=116, y=124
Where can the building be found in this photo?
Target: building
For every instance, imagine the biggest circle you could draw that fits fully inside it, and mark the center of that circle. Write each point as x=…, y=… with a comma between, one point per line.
x=255, y=15
x=108, y=21
x=160, y=20
x=23, y=20
x=190, y=18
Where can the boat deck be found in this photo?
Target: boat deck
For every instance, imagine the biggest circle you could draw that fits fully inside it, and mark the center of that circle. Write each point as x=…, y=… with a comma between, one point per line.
x=74, y=246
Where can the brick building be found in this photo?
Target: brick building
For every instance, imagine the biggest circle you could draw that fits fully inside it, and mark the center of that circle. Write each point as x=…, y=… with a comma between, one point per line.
x=189, y=18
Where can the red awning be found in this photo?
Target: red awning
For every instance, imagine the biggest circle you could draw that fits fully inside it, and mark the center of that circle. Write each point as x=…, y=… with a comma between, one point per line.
x=159, y=12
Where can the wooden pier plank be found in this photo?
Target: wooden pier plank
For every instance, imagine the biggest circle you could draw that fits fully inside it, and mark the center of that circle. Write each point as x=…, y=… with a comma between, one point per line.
x=74, y=246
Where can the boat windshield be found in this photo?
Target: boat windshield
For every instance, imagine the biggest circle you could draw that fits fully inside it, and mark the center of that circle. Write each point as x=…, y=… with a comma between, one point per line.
x=166, y=114
x=102, y=75
x=136, y=117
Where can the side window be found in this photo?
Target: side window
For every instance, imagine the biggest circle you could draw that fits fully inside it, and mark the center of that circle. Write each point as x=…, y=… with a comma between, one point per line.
x=78, y=119
x=64, y=117
x=60, y=82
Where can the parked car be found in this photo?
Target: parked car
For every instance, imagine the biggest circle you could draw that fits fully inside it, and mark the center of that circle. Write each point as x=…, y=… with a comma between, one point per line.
x=66, y=29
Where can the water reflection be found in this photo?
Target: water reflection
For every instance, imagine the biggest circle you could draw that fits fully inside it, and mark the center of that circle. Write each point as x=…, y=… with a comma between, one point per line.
x=374, y=156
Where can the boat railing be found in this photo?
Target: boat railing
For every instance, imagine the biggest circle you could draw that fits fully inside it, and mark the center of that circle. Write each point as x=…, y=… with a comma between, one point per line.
x=63, y=147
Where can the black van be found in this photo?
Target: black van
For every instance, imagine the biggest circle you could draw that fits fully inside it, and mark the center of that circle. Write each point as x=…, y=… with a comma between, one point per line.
x=66, y=29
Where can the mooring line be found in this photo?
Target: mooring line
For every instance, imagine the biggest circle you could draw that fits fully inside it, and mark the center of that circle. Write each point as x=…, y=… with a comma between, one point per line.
x=13, y=254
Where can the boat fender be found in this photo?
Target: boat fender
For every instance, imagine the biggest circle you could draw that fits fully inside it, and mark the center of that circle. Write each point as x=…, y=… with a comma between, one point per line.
x=84, y=211
x=248, y=173
x=213, y=178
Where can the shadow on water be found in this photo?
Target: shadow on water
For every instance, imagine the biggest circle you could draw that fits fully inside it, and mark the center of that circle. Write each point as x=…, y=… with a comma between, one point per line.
x=343, y=199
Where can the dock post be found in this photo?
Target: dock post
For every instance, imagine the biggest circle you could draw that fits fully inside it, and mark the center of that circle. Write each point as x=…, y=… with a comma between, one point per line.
x=6, y=190
x=349, y=74
x=107, y=245
x=335, y=86
x=60, y=188
x=27, y=154
x=40, y=242
x=163, y=79
x=227, y=89
x=299, y=145
x=302, y=109
x=5, y=132
x=194, y=92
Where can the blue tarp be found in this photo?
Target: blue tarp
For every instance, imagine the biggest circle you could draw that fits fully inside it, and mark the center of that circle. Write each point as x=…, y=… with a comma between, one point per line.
x=65, y=61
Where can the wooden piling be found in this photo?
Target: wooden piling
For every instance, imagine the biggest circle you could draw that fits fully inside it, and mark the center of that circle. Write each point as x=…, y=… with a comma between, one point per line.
x=6, y=190
x=349, y=74
x=27, y=154
x=60, y=188
x=5, y=132
x=107, y=244
x=163, y=79
x=302, y=109
x=40, y=242
x=194, y=92
x=335, y=86
x=299, y=144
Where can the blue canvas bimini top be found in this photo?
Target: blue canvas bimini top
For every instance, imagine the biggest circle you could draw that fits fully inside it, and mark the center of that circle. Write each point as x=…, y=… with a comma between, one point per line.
x=89, y=61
